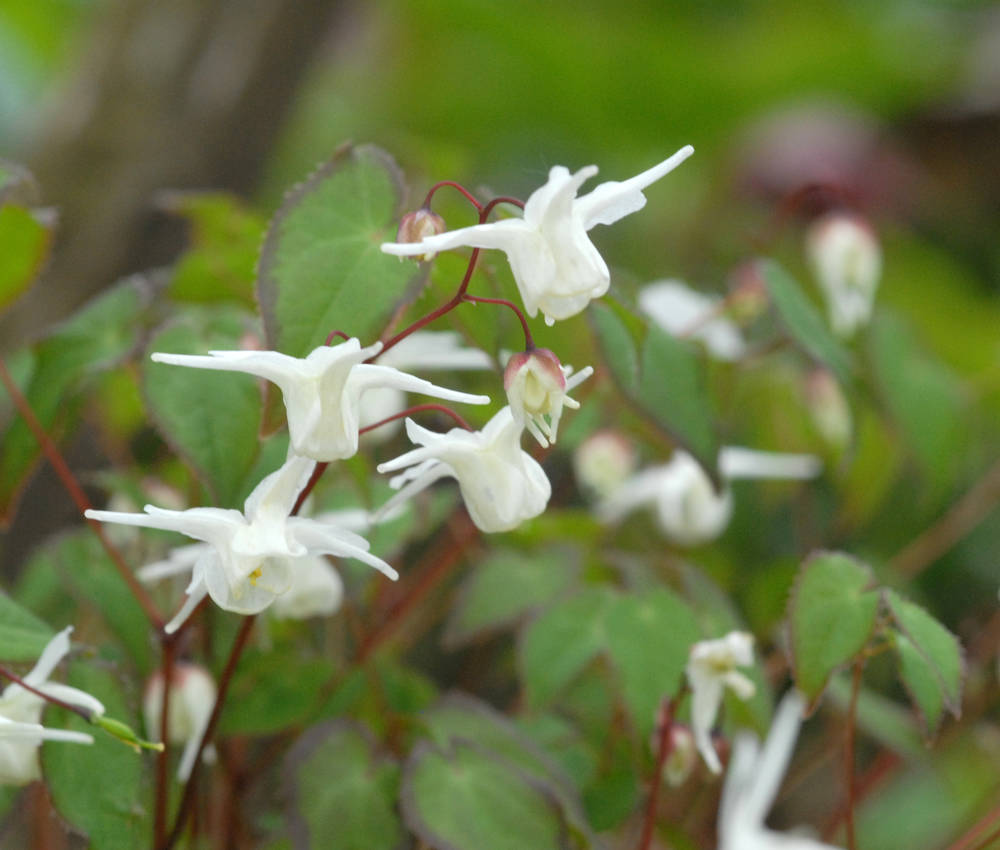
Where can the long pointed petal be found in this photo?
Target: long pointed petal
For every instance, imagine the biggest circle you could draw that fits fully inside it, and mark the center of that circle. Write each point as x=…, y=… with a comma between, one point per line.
x=196, y=593
x=502, y=235
x=433, y=474
x=737, y=462
x=367, y=377
x=270, y=365
x=54, y=652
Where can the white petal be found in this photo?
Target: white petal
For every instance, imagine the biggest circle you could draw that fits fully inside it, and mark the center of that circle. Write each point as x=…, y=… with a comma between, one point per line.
x=54, y=652
x=737, y=462
x=501, y=235
x=365, y=377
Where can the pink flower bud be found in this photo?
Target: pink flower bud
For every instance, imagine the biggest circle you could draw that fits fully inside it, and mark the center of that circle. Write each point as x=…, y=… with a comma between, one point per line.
x=416, y=226
x=536, y=387
x=828, y=407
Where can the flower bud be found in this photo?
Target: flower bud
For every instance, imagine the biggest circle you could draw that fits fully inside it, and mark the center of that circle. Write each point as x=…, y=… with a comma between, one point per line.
x=603, y=462
x=828, y=407
x=847, y=261
x=536, y=387
x=192, y=697
x=416, y=226
x=683, y=756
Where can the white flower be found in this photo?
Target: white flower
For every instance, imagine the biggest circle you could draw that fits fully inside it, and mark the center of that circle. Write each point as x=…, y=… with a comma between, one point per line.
x=847, y=261
x=21, y=731
x=252, y=555
x=688, y=507
x=502, y=485
x=556, y=266
x=603, y=462
x=538, y=388
x=711, y=668
x=680, y=310
x=752, y=781
x=317, y=591
x=322, y=391
x=192, y=698
x=419, y=352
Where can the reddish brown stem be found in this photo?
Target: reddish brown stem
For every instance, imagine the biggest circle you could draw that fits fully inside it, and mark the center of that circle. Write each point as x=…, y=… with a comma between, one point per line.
x=75, y=491
x=76, y=709
x=430, y=574
x=452, y=184
x=162, y=759
x=529, y=342
x=310, y=485
x=418, y=408
x=187, y=798
x=333, y=334
x=849, y=748
x=663, y=747
x=976, y=837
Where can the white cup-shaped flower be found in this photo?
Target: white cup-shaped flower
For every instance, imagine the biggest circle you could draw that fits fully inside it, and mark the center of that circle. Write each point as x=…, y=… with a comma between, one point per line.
x=689, y=508
x=847, y=261
x=538, y=388
x=681, y=311
x=252, y=555
x=556, y=267
x=21, y=732
x=711, y=668
x=322, y=391
x=752, y=781
x=317, y=591
x=603, y=462
x=502, y=485
x=192, y=698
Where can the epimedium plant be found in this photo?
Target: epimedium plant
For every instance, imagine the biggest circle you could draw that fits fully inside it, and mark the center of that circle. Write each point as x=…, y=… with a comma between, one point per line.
x=587, y=653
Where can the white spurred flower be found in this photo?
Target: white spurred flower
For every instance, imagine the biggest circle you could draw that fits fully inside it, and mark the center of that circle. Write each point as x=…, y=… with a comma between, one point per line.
x=537, y=386
x=847, y=261
x=322, y=391
x=681, y=311
x=317, y=591
x=556, y=266
x=21, y=732
x=752, y=781
x=502, y=485
x=423, y=351
x=192, y=698
x=252, y=555
x=711, y=668
x=688, y=507
x=603, y=462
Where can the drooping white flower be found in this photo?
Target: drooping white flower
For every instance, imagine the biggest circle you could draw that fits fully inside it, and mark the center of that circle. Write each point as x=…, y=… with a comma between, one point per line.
x=556, y=266
x=423, y=351
x=538, y=388
x=322, y=391
x=192, y=698
x=252, y=555
x=678, y=309
x=847, y=261
x=711, y=668
x=752, y=781
x=21, y=732
x=688, y=507
x=502, y=485
x=317, y=591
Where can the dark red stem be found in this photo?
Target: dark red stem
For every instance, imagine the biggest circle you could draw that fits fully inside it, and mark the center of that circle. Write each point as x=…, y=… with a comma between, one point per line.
x=187, y=799
x=452, y=184
x=76, y=709
x=162, y=759
x=76, y=493
x=330, y=337
x=663, y=747
x=417, y=408
x=529, y=342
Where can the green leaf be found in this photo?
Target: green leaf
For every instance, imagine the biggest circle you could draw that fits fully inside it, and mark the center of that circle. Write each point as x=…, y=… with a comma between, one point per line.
x=921, y=683
x=928, y=641
x=505, y=587
x=22, y=635
x=25, y=241
x=225, y=237
x=924, y=398
x=210, y=418
x=672, y=389
x=321, y=268
x=557, y=645
x=803, y=321
x=97, y=337
x=832, y=615
x=78, y=564
x=617, y=344
x=102, y=789
x=342, y=792
x=649, y=638
x=272, y=691
x=466, y=799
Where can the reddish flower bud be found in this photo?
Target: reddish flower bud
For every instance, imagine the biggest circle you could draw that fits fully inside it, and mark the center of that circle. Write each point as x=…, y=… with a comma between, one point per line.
x=416, y=226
